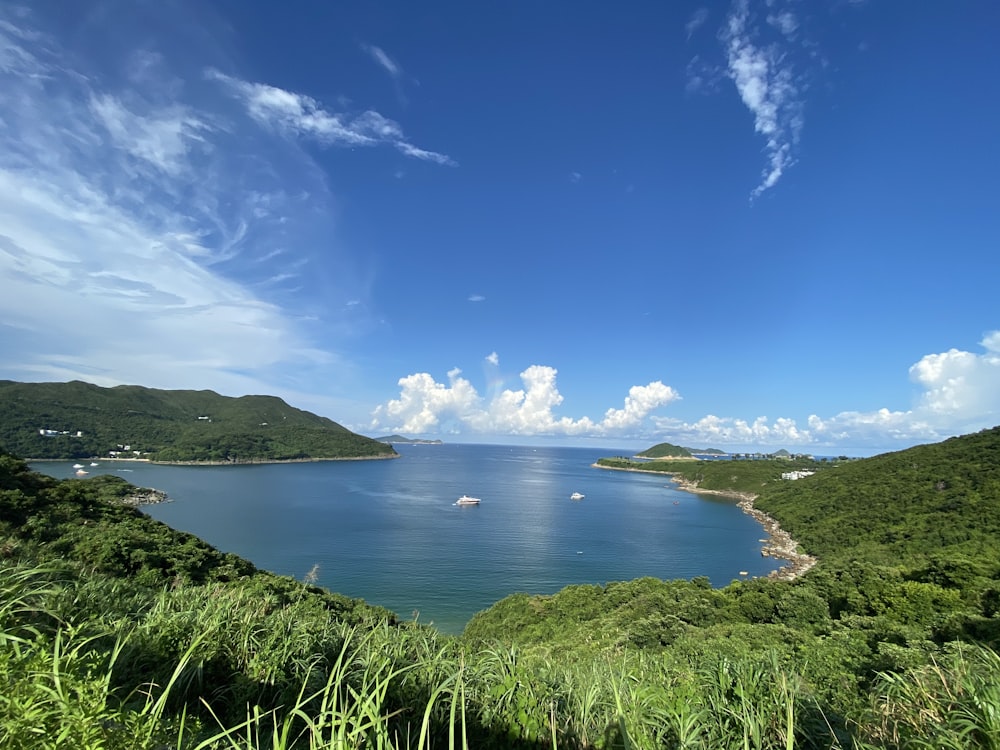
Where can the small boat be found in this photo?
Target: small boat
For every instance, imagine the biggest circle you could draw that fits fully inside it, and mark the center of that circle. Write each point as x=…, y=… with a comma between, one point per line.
x=93, y=464
x=77, y=466
x=466, y=500
x=81, y=473
x=577, y=496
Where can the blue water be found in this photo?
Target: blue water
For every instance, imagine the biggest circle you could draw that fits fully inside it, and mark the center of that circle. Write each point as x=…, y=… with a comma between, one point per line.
x=389, y=532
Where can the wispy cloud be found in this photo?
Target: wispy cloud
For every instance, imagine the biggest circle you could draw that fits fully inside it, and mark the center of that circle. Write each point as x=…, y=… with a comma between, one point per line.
x=697, y=20
x=299, y=115
x=476, y=298
x=151, y=234
x=766, y=81
x=383, y=60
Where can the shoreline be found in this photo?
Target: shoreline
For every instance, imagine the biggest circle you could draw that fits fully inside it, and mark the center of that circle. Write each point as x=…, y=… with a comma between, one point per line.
x=241, y=462
x=779, y=544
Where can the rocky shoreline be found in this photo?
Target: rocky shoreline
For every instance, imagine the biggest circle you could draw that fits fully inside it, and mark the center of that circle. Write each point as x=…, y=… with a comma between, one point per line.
x=778, y=544
x=256, y=461
x=145, y=496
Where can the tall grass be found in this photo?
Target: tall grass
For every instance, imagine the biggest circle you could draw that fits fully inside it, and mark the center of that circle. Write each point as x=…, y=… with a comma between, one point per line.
x=224, y=668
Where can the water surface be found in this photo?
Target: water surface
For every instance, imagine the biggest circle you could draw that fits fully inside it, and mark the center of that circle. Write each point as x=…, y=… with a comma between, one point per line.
x=389, y=532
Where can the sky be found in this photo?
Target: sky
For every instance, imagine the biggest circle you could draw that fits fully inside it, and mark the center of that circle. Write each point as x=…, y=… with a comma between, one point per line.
x=747, y=225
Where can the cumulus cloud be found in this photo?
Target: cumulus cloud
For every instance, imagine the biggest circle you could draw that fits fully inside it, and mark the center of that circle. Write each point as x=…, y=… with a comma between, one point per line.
x=960, y=384
x=425, y=405
x=961, y=394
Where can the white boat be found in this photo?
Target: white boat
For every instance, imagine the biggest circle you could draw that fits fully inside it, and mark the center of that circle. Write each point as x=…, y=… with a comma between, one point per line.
x=466, y=500
x=93, y=464
x=81, y=473
x=77, y=466
x=577, y=496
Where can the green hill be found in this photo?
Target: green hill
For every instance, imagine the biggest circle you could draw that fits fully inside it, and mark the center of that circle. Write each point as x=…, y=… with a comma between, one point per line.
x=78, y=420
x=665, y=450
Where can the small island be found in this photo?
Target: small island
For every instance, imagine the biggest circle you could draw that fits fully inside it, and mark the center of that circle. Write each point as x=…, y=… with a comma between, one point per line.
x=399, y=439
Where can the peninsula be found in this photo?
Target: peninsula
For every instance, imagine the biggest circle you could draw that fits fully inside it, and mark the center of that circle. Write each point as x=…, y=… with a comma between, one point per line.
x=736, y=480
x=78, y=420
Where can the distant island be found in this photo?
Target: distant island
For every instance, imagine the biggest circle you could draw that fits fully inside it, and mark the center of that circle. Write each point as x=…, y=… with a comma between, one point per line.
x=391, y=439
x=80, y=420
x=665, y=450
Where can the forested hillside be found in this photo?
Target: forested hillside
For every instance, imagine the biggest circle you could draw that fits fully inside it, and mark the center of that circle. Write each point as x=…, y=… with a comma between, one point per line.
x=117, y=632
x=665, y=450
x=79, y=420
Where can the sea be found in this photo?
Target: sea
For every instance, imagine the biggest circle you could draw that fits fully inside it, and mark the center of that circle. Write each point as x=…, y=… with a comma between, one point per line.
x=388, y=531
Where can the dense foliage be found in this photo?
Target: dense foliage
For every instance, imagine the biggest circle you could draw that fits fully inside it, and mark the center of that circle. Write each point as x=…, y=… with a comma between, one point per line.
x=117, y=632
x=748, y=477
x=662, y=450
x=167, y=425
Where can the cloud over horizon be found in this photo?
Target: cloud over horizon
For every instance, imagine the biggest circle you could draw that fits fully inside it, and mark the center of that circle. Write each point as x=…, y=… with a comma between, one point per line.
x=961, y=394
x=426, y=405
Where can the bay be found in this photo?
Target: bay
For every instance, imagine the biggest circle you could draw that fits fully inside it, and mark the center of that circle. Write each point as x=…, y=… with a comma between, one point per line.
x=389, y=532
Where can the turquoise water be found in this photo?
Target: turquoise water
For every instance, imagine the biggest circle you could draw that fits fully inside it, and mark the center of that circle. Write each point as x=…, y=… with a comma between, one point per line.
x=389, y=532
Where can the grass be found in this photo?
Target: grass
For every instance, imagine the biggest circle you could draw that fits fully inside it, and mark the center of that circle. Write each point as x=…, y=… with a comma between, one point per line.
x=174, y=675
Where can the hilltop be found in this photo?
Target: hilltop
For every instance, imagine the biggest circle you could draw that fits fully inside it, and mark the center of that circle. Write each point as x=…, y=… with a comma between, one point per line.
x=665, y=450
x=79, y=420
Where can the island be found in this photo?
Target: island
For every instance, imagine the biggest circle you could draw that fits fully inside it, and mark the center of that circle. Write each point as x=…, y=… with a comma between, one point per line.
x=394, y=439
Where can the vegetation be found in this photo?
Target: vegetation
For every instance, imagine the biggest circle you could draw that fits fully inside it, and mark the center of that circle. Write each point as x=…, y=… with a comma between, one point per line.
x=746, y=477
x=117, y=632
x=666, y=450
x=86, y=420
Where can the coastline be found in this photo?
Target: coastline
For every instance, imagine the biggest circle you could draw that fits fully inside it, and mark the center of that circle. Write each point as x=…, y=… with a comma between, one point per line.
x=779, y=543
x=240, y=462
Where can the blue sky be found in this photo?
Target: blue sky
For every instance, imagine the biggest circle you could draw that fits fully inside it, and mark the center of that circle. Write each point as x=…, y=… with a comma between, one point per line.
x=738, y=224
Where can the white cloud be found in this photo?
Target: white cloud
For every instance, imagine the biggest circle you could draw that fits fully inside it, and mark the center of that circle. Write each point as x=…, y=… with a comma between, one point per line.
x=382, y=59
x=961, y=384
x=784, y=21
x=961, y=394
x=425, y=405
x=476, y=298
x=162, y=139
x=300, y=115
x=767, y=84
x=124, y=202
x=696, y=21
